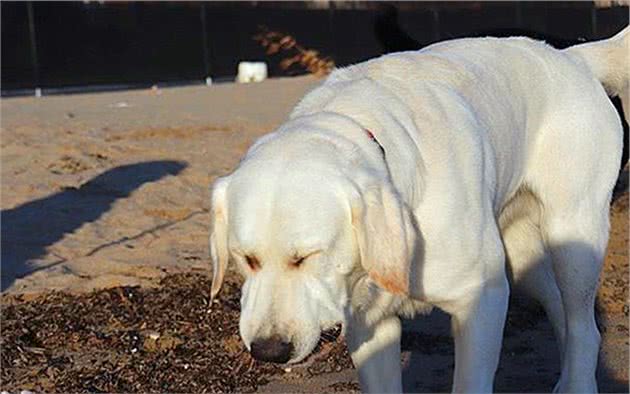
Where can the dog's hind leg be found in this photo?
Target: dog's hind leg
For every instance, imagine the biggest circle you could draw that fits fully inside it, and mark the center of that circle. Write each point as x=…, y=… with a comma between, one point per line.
x=529, y=263
x=573, y=176
x=575, y=233
x=577, y=242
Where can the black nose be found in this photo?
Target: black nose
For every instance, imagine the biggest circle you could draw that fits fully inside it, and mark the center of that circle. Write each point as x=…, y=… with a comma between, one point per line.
x=272, y=349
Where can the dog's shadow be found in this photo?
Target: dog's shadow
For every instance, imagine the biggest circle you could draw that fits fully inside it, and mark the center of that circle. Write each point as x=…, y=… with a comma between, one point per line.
x=529, y=361
x=29, y=229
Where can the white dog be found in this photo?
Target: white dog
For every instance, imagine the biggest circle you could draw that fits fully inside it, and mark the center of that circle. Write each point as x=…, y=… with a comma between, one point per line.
x=421, y=179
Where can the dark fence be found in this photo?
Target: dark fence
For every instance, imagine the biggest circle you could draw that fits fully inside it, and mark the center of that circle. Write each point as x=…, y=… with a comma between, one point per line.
x=54, y=45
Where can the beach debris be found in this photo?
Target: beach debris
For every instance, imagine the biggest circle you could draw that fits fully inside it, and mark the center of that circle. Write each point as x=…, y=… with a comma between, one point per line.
x=107, y=340
x=120, y=104
x=309, y=59
x=67, y=165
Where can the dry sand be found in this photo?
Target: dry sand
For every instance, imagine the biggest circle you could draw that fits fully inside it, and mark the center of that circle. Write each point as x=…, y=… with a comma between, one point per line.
x=109, y=189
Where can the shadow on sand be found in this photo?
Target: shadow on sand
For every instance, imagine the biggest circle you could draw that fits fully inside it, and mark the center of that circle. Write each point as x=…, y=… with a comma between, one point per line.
x=29, y=229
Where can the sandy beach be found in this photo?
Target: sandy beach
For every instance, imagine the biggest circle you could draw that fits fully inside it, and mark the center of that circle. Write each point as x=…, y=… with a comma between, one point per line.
x=111, y=189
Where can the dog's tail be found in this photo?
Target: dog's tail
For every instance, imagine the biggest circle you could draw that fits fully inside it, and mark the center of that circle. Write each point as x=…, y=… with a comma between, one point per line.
x=609, y=62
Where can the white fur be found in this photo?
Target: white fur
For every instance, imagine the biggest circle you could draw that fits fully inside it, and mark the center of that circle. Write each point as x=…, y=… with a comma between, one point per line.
x=496, y=150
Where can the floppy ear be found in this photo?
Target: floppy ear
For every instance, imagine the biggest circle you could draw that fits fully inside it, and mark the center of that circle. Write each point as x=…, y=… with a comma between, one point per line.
x=218, y=235
x=386, y=237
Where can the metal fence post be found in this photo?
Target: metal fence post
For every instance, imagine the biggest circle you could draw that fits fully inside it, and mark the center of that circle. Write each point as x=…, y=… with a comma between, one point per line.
x=204, y=40
x=33, y=41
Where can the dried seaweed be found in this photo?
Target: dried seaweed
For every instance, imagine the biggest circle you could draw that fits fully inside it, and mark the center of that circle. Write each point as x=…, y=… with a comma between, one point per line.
x=131, y=339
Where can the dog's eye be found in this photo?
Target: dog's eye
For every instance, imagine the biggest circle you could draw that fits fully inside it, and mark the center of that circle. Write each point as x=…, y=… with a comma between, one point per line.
x=252, y=262
x=297, y=261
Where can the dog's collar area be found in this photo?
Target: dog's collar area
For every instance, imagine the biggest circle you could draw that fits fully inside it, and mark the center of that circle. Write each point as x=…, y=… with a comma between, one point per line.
x=373, y=138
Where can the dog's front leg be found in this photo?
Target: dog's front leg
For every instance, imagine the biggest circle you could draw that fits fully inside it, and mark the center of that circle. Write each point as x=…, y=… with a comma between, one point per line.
x=375, y=351
x=477, y=325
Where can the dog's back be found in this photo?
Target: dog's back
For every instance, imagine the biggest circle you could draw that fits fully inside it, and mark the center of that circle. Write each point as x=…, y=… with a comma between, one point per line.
x=513, y=90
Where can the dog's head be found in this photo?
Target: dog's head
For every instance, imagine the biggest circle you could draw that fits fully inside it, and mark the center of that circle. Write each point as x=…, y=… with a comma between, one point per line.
x=303, y=235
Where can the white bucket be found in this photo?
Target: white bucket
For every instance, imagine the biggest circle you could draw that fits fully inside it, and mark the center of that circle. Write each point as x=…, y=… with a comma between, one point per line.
x=251, y=72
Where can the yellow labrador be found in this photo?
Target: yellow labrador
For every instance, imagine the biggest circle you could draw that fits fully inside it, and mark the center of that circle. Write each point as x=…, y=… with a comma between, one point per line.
x=415, y=180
